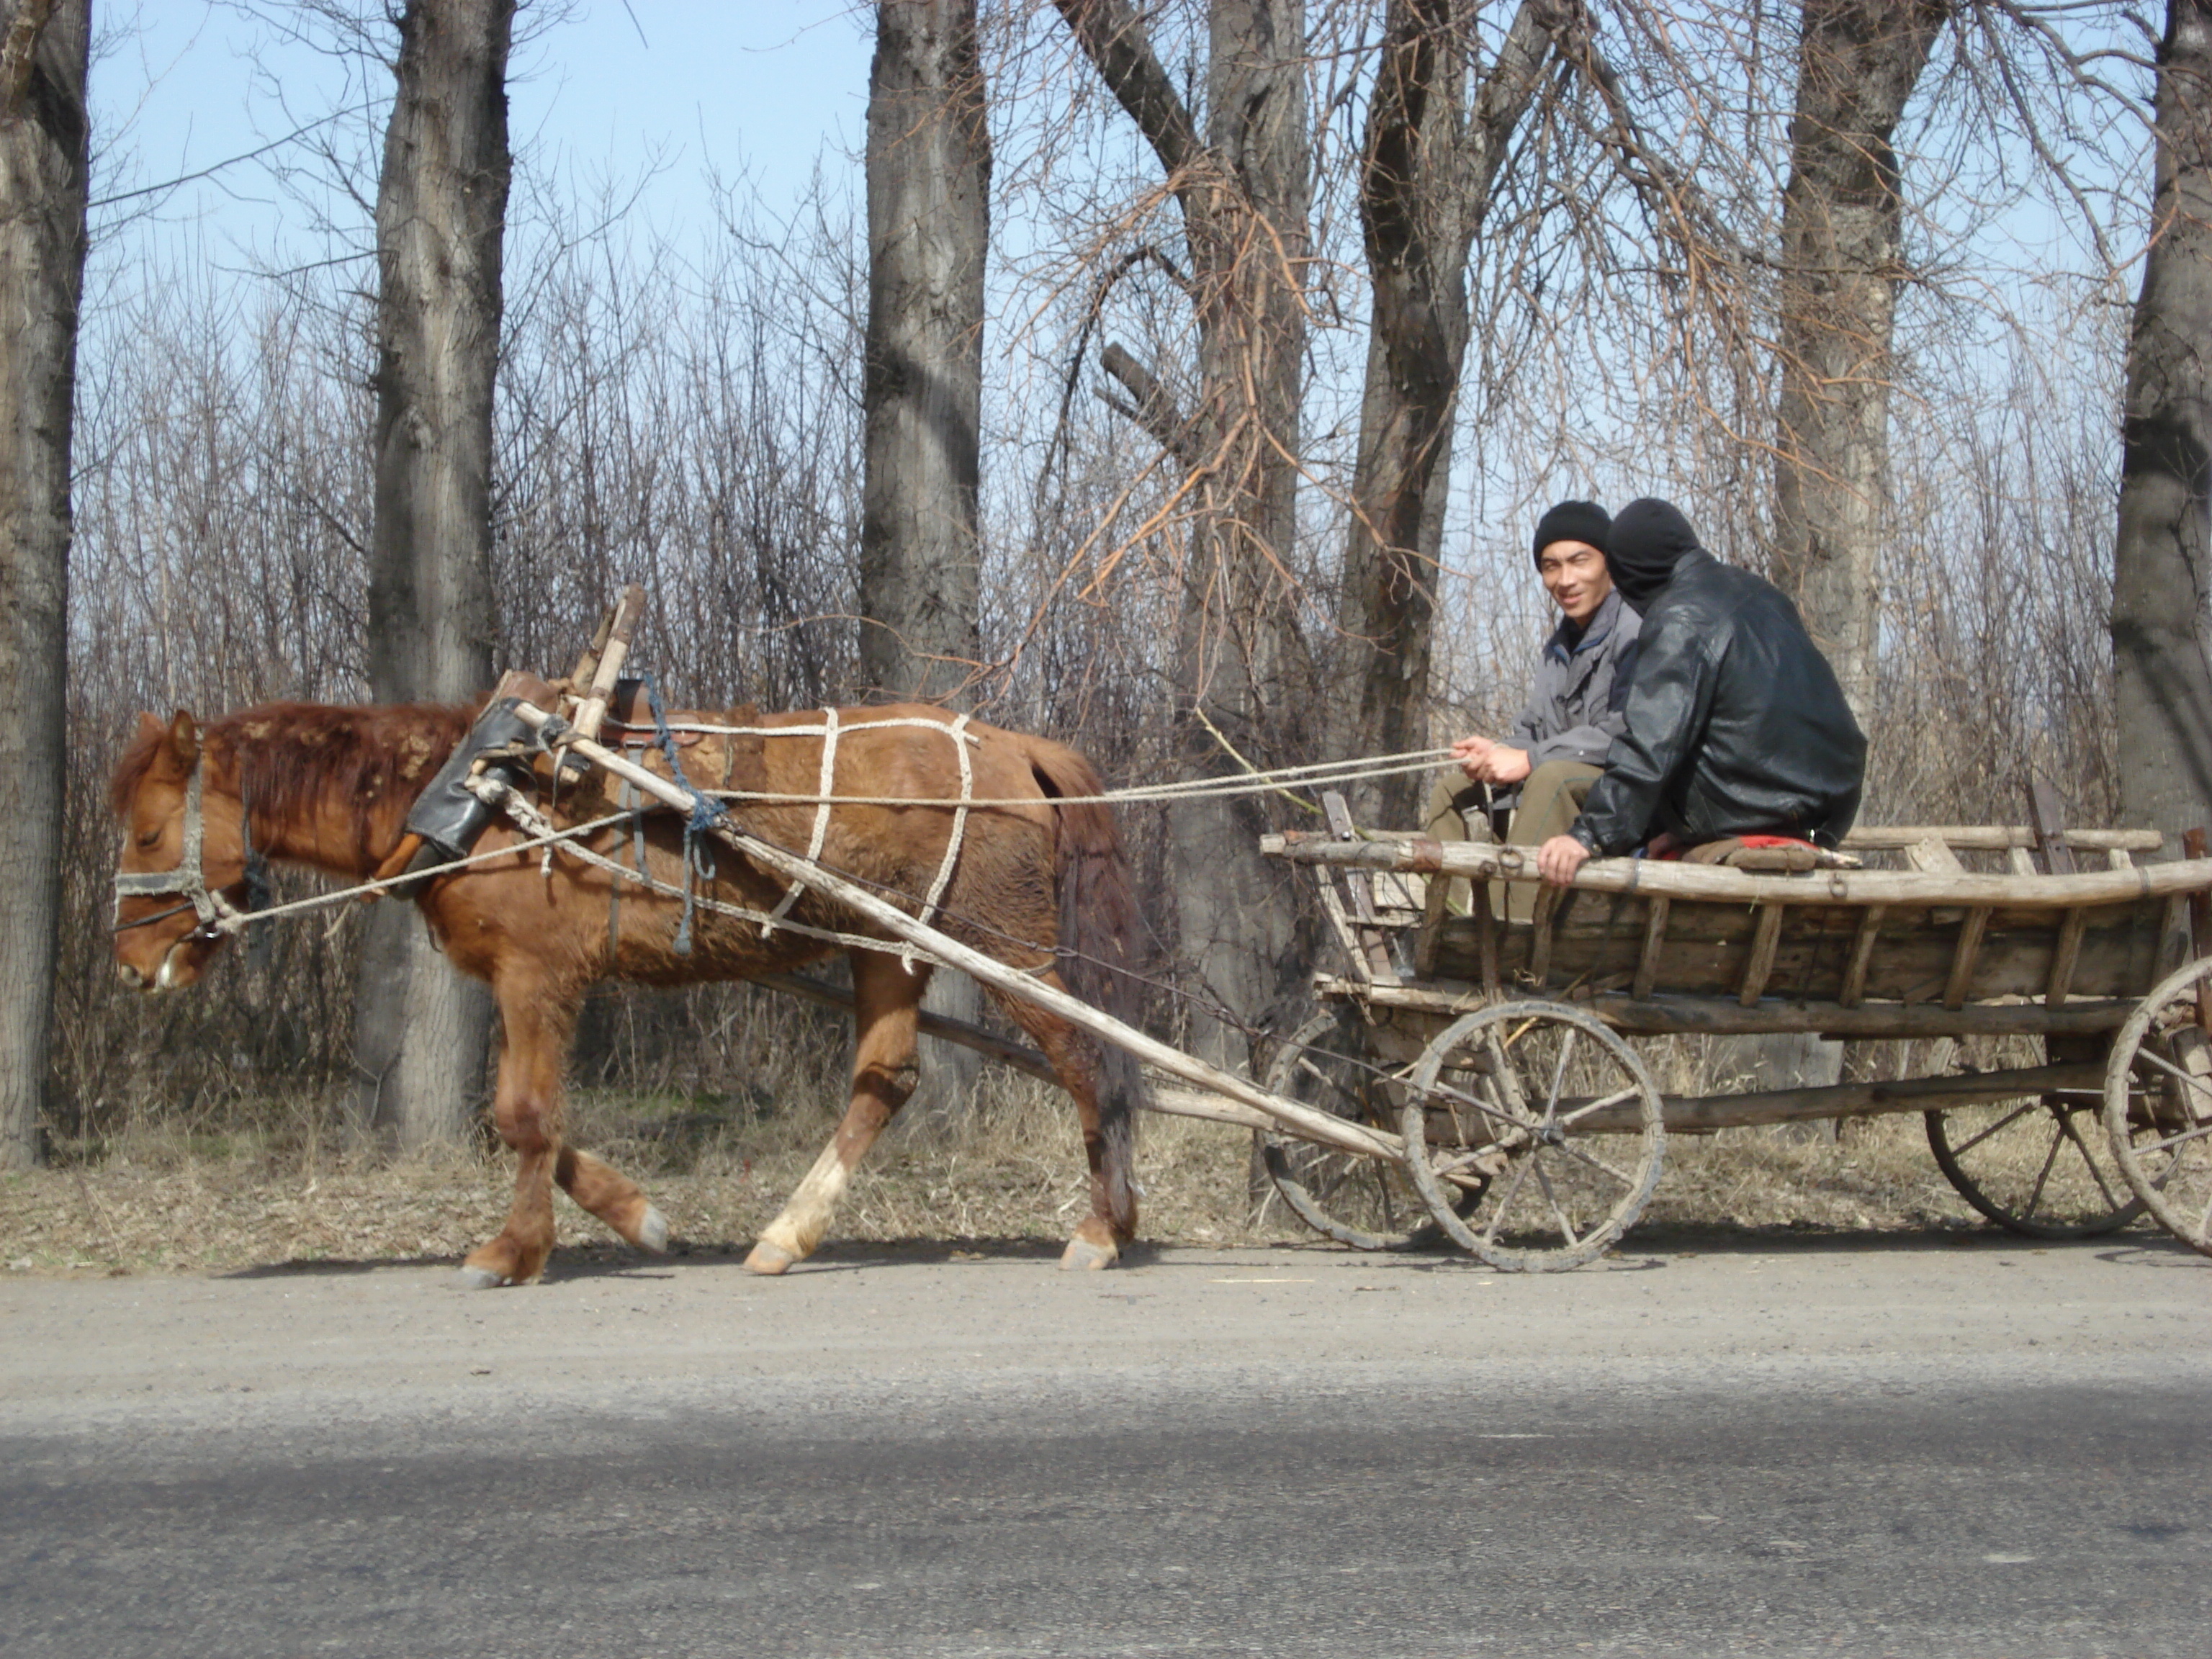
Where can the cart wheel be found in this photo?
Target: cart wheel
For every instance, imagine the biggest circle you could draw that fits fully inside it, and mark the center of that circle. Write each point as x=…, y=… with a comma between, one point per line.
x=1331, y=1064
x=1505, y=1098
x=2158, y=1106
x=2040, y=1166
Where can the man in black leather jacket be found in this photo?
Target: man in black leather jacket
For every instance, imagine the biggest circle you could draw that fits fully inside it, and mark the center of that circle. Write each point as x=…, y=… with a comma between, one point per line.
x=1736, y=724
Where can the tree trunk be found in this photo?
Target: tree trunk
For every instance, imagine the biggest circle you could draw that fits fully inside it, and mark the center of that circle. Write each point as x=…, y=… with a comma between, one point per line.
x=440, y=213
x=2162, y=562
x=43, y=161
x=1430, y=162
x=929, y=221
x=1244, y=193
x=1842, y=243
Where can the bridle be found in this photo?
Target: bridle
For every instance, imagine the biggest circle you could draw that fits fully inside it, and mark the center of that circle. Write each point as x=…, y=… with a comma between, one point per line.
x=217, y=914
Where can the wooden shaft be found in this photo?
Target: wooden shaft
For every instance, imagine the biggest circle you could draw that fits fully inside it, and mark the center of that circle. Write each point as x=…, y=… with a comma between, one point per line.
x=1287, y=1114
x=1174, y=1103
x=1713, y=881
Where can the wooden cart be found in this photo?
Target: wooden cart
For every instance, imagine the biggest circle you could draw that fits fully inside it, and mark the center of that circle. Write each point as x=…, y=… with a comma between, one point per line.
x=1502, y=1048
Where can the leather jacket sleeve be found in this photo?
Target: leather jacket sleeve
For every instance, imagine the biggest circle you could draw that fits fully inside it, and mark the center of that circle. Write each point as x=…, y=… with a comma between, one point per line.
x=1670, y=698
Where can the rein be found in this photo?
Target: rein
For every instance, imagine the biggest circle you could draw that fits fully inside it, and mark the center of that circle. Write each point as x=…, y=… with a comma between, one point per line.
x=216, y=913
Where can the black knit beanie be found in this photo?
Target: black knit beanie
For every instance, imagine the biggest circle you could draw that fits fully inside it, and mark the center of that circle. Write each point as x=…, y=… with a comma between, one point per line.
x=1649, y=540
x=1573, y=521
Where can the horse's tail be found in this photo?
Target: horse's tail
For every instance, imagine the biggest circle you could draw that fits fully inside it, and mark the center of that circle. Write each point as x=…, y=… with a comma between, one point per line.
x=1100, y=948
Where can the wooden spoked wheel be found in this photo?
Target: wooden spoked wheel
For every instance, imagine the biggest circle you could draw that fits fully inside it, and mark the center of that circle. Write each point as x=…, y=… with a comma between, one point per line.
x=2040, y=1166
x=1554, y=1114
x=1331, y=1063
x=2157, y=1106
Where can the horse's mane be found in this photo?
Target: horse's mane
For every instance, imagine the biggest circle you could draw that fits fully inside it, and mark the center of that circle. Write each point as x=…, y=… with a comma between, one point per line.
x=290, y=755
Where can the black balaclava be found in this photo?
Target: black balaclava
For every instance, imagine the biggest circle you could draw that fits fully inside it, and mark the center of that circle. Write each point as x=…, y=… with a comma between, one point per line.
x=1649, y=538
x=1572, y=521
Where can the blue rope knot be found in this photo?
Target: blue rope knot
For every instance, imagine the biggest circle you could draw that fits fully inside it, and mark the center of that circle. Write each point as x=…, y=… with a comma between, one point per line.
x=706, y=813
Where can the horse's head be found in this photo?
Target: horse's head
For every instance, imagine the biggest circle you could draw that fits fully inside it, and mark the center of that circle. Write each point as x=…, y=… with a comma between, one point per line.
x=188, y=863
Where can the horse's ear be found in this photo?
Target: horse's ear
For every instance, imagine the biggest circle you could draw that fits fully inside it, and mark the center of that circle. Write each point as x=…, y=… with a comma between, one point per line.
x=185, y=739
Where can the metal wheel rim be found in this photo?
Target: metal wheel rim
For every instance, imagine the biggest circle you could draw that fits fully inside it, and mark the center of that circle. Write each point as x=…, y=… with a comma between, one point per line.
x=2125, y=1205
x=2151, y=1179
x=1278, y=1150
x=1636, y=1185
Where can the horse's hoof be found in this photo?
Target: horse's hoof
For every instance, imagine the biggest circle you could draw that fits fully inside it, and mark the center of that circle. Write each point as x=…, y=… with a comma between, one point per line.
x=1081, y=1255
x=652, y=1232
x=769, y=1259
x=481, y=1279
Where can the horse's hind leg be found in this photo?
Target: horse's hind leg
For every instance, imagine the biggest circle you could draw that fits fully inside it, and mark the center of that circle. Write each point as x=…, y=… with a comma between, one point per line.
x=599, y=1188
x=1106, y=1086
x=886, y=1004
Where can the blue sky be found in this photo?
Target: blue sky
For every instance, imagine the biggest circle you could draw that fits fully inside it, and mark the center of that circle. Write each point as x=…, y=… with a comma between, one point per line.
x=659, y=90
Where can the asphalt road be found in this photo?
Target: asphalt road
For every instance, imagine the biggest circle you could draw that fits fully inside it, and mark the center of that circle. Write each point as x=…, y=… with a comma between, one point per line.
x=1909, y=1447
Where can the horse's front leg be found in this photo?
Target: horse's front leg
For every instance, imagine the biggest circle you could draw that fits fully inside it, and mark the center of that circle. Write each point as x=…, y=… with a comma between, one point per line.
x=535, y=1024
x=886, y=1006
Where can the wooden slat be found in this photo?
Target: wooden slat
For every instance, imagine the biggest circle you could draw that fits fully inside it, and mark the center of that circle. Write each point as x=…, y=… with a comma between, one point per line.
x=1962, y=962
x=2173, y=938
x=2200, y=930
x=1485, y=936
x=1654, y=936
x=2064, y=956
x=1359, y=888
x=1761, y=965
x=2047, y=818
x=1539, y=950
x=1855, y=971
x=2020, y=861
x=2119, y=858
x=1932, y=856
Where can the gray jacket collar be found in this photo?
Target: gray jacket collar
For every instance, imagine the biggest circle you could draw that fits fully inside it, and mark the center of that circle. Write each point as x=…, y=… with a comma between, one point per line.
x=1566, y=648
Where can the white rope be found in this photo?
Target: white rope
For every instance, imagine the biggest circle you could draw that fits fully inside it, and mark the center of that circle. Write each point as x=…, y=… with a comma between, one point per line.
x=1250, y=784
x=958, y=732
x=821, y=815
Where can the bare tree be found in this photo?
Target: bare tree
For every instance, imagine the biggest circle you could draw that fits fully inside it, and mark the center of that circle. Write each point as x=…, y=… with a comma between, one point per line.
x=1437, y=139
x=441, y=215
x=1243, y=189
x=2162, y=562
x=929, y=224
x=929, y=221
x=43, y=159
x=1843, y=220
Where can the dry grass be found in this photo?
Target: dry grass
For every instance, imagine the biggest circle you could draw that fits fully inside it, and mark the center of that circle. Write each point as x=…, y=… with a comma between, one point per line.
x=168, y=1201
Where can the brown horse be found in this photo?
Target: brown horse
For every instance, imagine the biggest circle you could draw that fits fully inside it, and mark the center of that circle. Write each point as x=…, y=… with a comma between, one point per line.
x=1040, y=887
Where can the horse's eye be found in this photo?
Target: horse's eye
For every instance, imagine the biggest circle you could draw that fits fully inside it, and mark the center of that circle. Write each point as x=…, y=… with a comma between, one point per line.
x=147, y=838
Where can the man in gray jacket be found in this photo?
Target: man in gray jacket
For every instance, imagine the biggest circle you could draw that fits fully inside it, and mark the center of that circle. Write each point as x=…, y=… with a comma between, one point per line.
x=1557, y=747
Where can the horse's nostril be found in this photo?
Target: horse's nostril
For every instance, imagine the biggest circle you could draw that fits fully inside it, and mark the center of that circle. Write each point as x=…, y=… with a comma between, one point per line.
x=130, y=975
